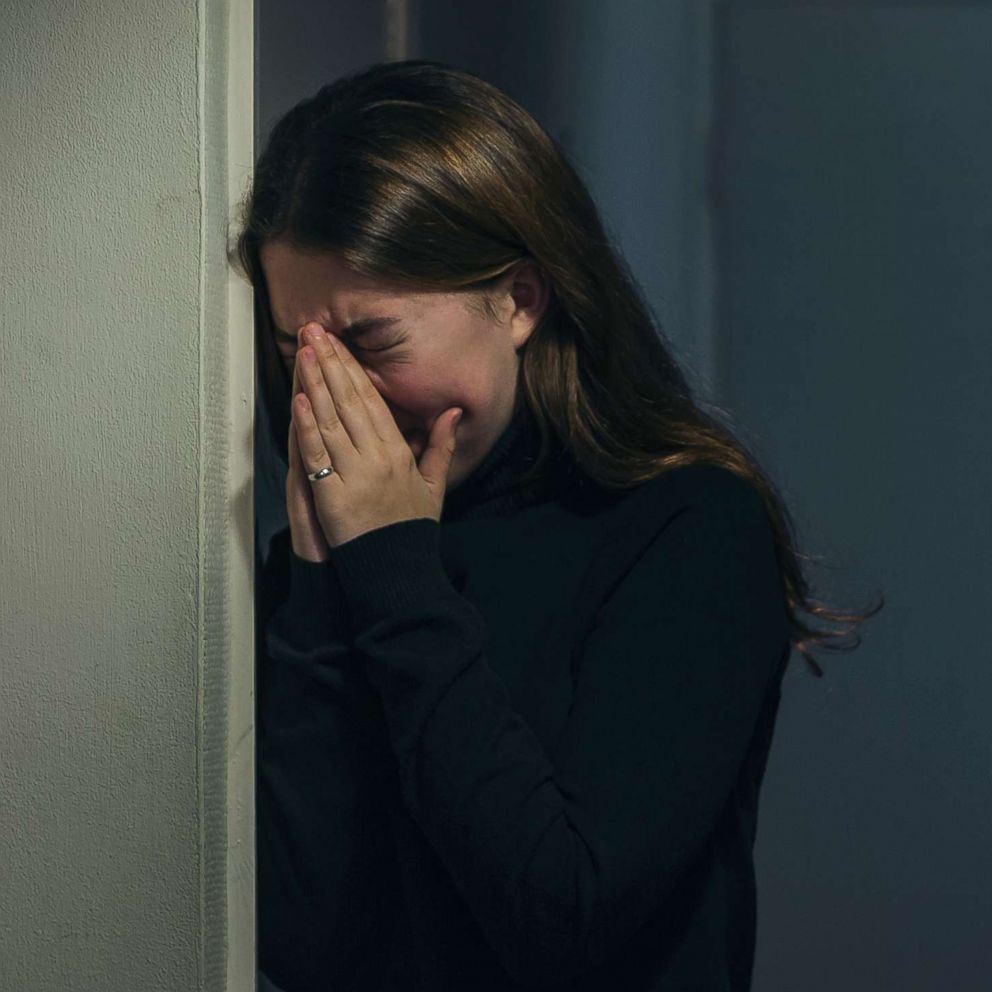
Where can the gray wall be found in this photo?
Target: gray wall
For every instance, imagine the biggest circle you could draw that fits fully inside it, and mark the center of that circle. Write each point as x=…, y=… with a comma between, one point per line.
x=802, y=191
x=856, y=248
x=303, y=44
x=126, y=537
x=575, y=66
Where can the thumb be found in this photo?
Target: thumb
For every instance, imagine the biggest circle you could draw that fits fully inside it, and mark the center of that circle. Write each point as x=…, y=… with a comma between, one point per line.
x=436, y=459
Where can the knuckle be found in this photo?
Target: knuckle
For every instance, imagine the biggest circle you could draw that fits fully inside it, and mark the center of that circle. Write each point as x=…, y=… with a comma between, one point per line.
x=329, y=426
x=367, y=392
x=351, y=399
x=312, y=450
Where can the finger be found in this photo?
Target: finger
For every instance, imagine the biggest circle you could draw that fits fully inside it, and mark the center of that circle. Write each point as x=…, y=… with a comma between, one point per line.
x=296, y=382
x=295, y=462
x=360, y=402
x=325, y=411
x=307, y=534
x=312, y=541
x=350, y=417
x=313, y=451
x=296, y=486
x=378, y=414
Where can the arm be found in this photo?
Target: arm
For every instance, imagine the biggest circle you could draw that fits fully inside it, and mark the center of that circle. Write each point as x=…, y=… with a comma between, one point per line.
x=561, y=858
x=321, y=829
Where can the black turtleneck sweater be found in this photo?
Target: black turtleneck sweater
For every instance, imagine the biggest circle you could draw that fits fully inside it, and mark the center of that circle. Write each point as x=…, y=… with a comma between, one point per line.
x=520, y=748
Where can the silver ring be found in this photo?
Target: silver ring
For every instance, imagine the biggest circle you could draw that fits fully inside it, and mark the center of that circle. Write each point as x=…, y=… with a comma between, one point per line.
x=323, y=473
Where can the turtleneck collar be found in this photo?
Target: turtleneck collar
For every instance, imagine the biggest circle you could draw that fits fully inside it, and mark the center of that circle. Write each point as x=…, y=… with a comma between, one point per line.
x=495, y=488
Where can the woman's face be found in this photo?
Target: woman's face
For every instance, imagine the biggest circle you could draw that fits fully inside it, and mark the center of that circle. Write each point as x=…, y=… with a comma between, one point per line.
x=428, y=353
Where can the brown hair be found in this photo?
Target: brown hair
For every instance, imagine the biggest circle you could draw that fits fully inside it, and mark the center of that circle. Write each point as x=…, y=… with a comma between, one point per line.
x=427, y=175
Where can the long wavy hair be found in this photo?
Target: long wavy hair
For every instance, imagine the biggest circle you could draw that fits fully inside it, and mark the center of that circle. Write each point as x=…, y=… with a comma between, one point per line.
x=425, y=174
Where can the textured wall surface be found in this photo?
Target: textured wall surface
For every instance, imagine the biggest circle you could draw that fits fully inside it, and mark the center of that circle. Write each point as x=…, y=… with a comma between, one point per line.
x=106, y=215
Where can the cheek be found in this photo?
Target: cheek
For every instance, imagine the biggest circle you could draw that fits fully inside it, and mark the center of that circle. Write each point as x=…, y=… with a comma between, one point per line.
x=422, y=392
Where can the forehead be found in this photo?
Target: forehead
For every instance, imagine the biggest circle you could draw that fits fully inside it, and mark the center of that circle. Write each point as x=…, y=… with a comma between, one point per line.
x=304, y=286
x=297, y=279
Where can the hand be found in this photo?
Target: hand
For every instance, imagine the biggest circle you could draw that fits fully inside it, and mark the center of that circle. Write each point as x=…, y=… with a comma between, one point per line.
x=339, y=419
x=305, y=531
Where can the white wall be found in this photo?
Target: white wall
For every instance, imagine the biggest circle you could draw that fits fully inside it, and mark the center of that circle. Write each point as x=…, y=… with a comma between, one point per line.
x=125, y=672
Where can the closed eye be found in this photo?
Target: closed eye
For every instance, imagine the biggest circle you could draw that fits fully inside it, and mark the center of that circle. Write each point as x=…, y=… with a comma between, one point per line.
x=358, y=347
x=291, y=356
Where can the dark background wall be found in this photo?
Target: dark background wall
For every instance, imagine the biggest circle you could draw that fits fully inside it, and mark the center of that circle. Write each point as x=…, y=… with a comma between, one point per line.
x=855, y=253
x=803, y=192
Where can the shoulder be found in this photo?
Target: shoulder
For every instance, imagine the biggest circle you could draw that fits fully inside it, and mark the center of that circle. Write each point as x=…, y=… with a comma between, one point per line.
x=696, y=511
x=701, y=519
x=695, y=545
x=709, y=535
x=704, y=488
x=694, y=519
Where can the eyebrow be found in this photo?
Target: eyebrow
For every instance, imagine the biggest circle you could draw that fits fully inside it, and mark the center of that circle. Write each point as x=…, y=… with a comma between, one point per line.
x=360, y=328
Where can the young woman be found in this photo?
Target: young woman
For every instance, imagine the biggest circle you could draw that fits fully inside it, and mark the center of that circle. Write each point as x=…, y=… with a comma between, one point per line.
x=518, y=672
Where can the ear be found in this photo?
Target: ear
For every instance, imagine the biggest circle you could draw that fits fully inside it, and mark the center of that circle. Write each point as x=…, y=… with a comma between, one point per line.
x=526, y=291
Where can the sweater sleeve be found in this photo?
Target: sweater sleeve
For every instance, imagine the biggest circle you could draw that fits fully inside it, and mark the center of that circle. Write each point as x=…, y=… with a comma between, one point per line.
x=561, y=858
x=321, y=827
x=303, y=629
x=310, y=624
